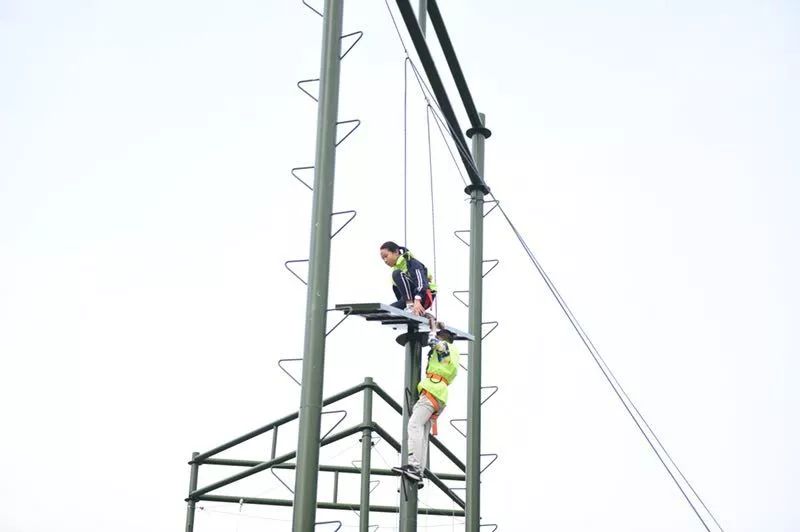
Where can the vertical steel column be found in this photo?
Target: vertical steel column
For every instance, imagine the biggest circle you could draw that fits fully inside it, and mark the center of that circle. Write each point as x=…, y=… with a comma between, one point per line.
x=192, y=486
x=335, y=486
x=422, y=15
x=473, y=510
x=408, y=492
x=366, y=462
x=305, y=495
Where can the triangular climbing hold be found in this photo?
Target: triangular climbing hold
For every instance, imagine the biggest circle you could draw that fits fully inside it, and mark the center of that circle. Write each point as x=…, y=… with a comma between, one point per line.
x=461, y=238
x=281, y=365
x=458, y=297
x=461, y=422
x=355, y=121
x=340, y=213
x=492, y=324
x=312, y=8
x=313, y=87
x=304, y=170
x=493, y=262
x=293, y=272
x=357, y=35
x=485, y=397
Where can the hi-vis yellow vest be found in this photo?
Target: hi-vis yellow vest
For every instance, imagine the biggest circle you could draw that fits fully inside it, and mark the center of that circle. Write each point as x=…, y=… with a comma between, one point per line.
x=447, y=368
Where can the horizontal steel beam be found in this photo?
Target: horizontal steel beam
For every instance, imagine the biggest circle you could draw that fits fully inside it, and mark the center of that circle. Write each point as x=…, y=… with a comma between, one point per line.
x=256, y=466
x=325, y=505
x=323, y=468
x=270, y=463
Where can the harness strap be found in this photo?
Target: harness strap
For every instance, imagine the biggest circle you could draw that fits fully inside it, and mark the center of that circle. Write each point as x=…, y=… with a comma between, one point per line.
x=435, y=415
x=436, y=378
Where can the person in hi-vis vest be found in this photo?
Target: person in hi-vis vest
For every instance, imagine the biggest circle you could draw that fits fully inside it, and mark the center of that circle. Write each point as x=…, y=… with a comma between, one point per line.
x=439, y=374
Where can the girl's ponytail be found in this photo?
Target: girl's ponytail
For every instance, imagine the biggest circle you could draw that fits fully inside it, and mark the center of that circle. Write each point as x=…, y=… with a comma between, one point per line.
x=394, y=247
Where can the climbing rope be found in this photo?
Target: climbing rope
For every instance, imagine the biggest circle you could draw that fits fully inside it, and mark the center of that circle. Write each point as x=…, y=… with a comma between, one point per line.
x=405, y=155
x=427, y=93
x=612, y=380
x=430, y=99
x=433, y=206
x=447, y=144
x=429, y=109
x=616, y=386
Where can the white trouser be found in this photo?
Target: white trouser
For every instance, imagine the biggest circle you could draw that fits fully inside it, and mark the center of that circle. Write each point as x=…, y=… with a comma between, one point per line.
x=419, y=426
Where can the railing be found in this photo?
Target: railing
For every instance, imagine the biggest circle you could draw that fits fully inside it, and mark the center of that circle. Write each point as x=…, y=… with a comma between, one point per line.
x=367, y=428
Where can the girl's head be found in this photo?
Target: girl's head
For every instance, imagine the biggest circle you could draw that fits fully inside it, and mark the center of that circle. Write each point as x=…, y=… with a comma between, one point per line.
x=443, y=333
x=390, y=252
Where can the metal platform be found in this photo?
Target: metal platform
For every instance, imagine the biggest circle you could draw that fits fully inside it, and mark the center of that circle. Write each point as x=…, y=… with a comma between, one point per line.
x=389, y=315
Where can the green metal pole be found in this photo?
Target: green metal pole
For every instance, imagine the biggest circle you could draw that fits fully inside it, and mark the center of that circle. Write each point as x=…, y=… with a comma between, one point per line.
x=192, y=486
x=473, y=510
x=408, y=493
x=305, y=496
x=422, y=15
x=335, y=486
x=366, y=462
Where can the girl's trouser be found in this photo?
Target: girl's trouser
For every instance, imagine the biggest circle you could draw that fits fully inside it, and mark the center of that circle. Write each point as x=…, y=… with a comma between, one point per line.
x=404, y=289
x=419, y=426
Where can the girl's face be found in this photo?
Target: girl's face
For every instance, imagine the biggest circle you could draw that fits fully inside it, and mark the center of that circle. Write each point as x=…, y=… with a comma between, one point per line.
x=389, y=258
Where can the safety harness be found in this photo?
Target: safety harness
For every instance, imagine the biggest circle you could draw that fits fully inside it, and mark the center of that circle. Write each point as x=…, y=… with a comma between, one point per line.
x=435, y=402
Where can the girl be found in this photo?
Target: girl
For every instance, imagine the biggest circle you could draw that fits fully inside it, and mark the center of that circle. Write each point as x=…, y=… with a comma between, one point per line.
x=413, y=287
x=433, y=394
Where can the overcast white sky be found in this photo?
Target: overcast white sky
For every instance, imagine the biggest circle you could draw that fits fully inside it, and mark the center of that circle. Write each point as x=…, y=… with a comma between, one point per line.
x=647, y=150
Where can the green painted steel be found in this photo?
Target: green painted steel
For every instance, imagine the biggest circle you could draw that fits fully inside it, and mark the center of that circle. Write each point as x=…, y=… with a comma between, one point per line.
x=234, y=462
x=473, y=496
x=422, y=15
x=413, y=368
x=325, y=505
x=190, y=503
x=263, y=466
x=305, y=496
x=366, y=455
x=201, y=458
